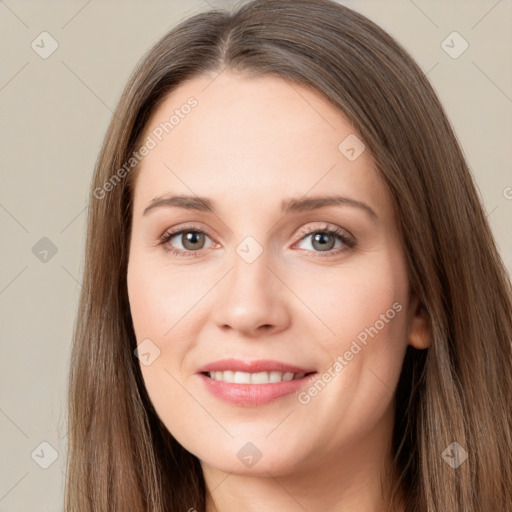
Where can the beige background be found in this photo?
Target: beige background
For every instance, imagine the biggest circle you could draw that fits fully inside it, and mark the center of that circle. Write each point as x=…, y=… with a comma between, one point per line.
x=54, y=114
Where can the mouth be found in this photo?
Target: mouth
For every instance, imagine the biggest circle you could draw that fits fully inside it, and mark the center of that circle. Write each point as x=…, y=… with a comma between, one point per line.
x=257, y=388
x=253, y=383
x=236, y=377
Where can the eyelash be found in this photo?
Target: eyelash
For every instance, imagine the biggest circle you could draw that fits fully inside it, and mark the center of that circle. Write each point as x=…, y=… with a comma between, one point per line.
x=349, y=242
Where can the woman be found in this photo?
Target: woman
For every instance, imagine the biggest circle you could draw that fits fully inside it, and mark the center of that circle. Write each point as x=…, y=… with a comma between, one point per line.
x=221, y=361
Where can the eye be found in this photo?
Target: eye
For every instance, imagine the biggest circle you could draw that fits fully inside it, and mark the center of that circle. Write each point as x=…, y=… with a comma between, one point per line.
x=192, y=240
x=325, y=239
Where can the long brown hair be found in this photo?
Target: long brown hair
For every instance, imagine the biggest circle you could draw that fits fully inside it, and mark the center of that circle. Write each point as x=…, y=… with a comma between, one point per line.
x=120, y=455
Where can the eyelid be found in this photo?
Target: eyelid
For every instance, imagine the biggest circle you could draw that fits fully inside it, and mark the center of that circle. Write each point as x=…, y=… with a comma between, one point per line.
x=325, y=228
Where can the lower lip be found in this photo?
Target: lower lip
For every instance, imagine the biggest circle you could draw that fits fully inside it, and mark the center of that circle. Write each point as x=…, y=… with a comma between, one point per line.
x=254, y=394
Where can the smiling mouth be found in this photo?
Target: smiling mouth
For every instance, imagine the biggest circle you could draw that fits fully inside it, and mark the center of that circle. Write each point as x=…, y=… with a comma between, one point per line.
x=233, y=377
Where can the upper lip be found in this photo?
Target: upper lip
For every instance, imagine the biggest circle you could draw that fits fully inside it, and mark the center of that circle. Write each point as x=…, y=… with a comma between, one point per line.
x=262, y=365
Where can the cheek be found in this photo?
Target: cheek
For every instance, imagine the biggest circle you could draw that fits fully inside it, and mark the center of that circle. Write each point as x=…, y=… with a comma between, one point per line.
x=352, y=300
x=361, y=338
x=160, y=300
x=159, y=304
x=163, y=304
x=145, y=303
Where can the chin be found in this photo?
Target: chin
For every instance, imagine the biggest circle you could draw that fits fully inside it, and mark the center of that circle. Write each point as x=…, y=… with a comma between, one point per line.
x=243, y=457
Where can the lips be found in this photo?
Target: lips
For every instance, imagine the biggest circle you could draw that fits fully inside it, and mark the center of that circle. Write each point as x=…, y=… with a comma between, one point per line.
x=214, y=377
x=262, y=365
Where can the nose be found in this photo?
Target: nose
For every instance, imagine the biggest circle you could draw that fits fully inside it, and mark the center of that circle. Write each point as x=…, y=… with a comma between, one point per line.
x=252, y=299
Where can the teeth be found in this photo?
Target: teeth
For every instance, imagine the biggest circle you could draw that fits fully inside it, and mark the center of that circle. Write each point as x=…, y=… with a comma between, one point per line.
x=254, y=378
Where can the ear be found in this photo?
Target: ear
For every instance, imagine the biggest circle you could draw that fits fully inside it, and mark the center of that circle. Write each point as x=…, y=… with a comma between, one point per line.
x=418, y=330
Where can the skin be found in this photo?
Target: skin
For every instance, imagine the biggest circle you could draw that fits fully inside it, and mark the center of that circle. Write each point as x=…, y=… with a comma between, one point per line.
x=247, y=145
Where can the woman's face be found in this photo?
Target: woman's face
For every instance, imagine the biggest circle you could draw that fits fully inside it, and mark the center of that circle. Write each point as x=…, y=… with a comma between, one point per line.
x=258, y=277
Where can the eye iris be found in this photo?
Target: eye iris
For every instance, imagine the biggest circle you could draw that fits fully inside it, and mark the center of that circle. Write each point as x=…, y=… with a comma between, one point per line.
x=191, y=237
x=320, y=237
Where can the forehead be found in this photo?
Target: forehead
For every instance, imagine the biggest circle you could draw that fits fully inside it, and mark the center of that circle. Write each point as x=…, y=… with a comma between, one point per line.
x=262, y=134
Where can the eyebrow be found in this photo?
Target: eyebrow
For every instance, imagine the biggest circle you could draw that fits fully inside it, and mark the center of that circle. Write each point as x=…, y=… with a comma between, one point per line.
x=287, y=205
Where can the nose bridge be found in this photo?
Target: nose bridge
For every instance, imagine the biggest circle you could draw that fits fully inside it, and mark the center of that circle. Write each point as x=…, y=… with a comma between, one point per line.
x=250, y=297
x=251, y=276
